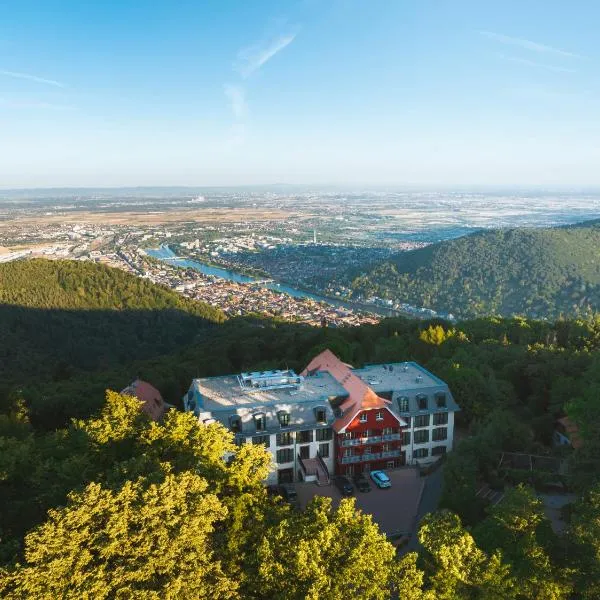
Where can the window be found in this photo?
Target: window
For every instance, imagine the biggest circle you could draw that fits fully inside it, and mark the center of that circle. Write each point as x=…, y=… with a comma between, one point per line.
x=363, y=417
x=405, y=438
x=284, y=418
x=403, y=404
x=350, y=470
x=440, y=399
x=438, y=450
x=262, y=439
x=421, y=436
x=379, y=415
x=320, y=415
x=421, y=453
x=366, y=433
x=441, y=433
x=304, y=437
x=324, y=435
x=285, y=456
x=348, y=452
x=348, y=435
x=388, y=430
x=391, y=464
x=440, y=418
x=386, y=447
x=407, y=419
x=235, y=423
x=260, y=422
x=285, y=439
x=324, y=450
x=422, y=421
x=422, y=402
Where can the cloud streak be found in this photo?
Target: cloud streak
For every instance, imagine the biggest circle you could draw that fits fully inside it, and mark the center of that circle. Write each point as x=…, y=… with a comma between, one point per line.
x=528, y=44
x=251, y=59
x=29, y=77
x=537, y=65
x=237, y=99
x=34, y=105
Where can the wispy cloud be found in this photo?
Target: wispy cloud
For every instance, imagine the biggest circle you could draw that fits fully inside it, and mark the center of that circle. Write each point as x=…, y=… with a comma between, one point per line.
x=251, y=59
x=528, y=44
x=237, y=99
x=537, y=65
x=34, y=105
x=29, y=77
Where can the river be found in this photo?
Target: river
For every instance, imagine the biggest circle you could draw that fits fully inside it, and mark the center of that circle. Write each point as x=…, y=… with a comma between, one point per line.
x=166, y=254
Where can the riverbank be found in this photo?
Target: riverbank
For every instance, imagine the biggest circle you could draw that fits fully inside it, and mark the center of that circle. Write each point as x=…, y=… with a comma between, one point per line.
x=165, y=253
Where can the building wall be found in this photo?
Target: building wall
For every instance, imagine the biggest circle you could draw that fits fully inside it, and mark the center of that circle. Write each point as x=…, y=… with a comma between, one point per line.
x=295, y=446
x=356, y=429
x=410, y=448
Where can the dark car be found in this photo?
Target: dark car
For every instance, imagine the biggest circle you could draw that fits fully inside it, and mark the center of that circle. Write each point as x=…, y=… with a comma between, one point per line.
x=399, y=539
x=362, y=483
x=288, y=491
x=344, y=485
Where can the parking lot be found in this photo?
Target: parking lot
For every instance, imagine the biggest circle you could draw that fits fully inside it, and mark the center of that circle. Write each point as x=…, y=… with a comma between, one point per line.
x=393, y=509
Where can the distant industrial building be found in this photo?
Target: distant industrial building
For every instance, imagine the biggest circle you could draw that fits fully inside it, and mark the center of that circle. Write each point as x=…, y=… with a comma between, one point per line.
x=332, y=418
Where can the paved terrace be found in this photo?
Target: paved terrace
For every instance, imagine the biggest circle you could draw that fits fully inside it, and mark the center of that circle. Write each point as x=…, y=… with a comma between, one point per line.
x=393, y=509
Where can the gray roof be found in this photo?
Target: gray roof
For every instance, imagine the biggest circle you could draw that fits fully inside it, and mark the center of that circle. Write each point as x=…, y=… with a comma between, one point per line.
x=224, y=398
x=408, y=380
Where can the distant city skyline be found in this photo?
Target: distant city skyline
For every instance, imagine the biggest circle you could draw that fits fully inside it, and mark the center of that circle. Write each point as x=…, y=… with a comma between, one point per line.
x=343, y=92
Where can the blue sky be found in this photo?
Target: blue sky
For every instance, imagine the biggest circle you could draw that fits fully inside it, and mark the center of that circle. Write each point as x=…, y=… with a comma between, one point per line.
x=228, y=92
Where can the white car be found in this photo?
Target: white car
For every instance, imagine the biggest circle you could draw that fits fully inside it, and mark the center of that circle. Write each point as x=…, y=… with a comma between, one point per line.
x=381, y=479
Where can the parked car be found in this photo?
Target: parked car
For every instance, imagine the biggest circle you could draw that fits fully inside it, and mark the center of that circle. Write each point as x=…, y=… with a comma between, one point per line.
x=344, y=485
x=288, y=491
x=399, y=539
x=381, y=479
x=362, y=483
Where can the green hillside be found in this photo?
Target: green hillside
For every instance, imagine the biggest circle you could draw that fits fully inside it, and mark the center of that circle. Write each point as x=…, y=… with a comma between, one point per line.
x=69, y=284
x=540, y=273
x=61, y=318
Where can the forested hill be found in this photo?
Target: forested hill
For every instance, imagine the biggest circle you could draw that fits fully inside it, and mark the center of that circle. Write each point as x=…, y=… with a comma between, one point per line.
x=60, y=320
x=540, y=273
x=68, y=284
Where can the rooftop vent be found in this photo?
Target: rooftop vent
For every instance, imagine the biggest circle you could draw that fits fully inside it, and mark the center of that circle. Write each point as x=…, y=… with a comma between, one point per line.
x=419, y=379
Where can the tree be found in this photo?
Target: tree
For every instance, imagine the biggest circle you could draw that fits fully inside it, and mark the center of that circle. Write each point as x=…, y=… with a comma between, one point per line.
x=141, y=541
x=518, y=527
x=456, y=568
x=324, y=554
x=584, y=533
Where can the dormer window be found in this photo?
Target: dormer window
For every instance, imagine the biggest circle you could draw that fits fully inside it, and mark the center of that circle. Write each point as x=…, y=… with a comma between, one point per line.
x=440, y=399
x=363, y=417
x=403, y=404
x=235, y=424
x=260, y=421
x=379, y=415
x=422, y=402
x=284, y=418
x=320, y=414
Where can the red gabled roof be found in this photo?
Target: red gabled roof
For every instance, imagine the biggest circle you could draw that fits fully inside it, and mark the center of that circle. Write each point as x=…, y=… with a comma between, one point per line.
x=154, y=405
x=360, y=395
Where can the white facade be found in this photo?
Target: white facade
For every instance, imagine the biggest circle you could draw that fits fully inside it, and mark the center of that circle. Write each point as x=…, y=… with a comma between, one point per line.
x=428, y=447
x=313, y=448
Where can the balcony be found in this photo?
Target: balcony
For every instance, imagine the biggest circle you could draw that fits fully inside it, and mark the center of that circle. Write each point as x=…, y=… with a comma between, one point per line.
x=373, y=439
x=361, y=458
x=390, y=454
